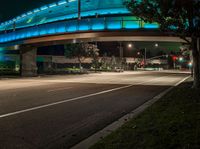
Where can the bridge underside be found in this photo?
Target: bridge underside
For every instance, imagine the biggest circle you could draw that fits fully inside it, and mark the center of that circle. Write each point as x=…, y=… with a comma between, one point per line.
x=28, y=47
x=106, y=36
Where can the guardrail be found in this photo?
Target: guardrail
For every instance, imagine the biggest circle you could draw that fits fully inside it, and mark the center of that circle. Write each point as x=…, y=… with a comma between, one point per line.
x=90, y=24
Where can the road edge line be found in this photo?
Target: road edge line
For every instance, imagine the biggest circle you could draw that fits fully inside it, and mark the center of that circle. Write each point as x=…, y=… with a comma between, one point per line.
x=91, y=140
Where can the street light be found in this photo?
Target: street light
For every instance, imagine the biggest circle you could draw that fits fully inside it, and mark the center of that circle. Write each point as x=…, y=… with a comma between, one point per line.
x=138, y=53
x=190, y=64
x=79, y=9
x=144, y=56
x=130, y=45
x=121, y=50
x=181, y=59
x=156, y=45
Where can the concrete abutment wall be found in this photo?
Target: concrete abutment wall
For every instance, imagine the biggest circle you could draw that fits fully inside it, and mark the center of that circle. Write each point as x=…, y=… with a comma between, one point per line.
x=28, y=64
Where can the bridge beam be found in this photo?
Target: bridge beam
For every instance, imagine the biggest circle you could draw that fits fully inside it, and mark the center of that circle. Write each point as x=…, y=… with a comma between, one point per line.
x=28, y=64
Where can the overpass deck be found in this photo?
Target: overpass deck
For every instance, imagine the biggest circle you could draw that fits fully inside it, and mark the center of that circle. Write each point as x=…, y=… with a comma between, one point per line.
x=73, y=26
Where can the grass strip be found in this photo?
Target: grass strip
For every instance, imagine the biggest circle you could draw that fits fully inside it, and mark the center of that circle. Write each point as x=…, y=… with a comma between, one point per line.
x=171, y=123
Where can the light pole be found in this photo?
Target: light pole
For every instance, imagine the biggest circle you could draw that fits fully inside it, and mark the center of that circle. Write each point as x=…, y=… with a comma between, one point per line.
x=145, y=56
x=174, y=61
x=121, y=53
x=121, y=50
x=79, y=9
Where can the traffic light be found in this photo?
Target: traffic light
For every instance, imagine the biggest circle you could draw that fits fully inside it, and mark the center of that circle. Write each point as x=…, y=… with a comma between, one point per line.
x=181, y=59
x=174, y=58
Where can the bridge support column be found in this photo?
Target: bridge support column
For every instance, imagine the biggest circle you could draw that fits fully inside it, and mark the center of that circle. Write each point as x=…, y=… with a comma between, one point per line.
x=28, y=64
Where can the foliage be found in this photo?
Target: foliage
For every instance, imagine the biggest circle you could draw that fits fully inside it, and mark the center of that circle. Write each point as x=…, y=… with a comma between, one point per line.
x=113, y=62
x=181, y=17
x=81, y=51
x=176, y=17
x=93, y=52
x=75, y=50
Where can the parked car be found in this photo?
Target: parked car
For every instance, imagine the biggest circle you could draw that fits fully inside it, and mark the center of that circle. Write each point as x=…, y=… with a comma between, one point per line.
x=118, y=69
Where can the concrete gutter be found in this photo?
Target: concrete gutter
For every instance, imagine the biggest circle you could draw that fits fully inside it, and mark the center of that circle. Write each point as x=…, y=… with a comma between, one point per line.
x=88, y=142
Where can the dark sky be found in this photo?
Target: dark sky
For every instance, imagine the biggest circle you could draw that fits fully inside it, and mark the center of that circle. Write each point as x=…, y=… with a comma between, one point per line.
x=12, y=8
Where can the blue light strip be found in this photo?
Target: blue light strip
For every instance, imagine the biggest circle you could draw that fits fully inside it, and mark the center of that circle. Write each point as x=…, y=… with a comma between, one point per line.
x=62, y=10
x=35, y=11
x=109, y=23
x=65, y=17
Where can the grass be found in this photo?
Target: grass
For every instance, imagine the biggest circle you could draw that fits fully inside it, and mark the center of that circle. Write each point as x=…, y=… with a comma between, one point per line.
x=171, y=123
x=72, y=69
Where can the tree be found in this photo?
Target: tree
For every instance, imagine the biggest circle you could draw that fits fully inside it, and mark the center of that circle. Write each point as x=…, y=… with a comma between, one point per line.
x=104, y=61
x=81, y=51
x=113, y=62
x=76, y=50
x=178, y=17
x=93, y=52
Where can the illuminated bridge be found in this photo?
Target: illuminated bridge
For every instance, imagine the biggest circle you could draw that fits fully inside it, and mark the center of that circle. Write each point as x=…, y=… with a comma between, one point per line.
x=69, y=20
x=61, y=18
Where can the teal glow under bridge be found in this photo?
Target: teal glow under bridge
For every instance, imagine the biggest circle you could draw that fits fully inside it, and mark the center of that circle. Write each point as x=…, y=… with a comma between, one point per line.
x=62, y=17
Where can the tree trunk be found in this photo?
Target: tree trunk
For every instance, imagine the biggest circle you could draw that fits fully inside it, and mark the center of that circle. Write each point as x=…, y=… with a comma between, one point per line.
x=196, y=62
x=80, y=63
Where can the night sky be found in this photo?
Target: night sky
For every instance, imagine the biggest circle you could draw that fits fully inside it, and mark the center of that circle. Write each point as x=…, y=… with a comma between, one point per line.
x=12, y=8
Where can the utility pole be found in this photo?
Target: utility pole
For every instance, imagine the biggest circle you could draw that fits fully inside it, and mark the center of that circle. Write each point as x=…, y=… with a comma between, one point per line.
x=79, y=9
x=121, y=50
x=121, y=54
x=145, y=56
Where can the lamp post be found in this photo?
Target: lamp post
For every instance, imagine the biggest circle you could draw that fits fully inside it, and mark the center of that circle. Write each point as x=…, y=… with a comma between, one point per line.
x=121, y=51
x=79, y=9
x=144, y=56
x=174, y=61
x=121, y=54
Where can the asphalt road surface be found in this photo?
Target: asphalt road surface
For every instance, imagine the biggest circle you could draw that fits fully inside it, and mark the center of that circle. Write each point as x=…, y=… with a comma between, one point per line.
x=57, y=112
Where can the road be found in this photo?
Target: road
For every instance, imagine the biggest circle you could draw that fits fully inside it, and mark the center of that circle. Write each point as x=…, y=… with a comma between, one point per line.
x=57, y=112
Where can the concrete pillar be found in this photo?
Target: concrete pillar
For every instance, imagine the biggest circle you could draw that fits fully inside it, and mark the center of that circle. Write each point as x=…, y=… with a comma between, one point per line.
x=121, y=51
x=28, y=58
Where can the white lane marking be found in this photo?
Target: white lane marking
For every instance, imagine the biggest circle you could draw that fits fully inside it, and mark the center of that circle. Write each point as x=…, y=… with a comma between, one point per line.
x=76, y=98
x=88, y=142
x=59, y=89
x=64, y=101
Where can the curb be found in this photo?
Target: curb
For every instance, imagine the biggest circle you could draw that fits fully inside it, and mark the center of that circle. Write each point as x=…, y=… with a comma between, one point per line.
x=88, y=142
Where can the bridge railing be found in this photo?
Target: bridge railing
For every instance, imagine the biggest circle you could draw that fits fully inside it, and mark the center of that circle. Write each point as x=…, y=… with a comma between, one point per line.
x=91, y=24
